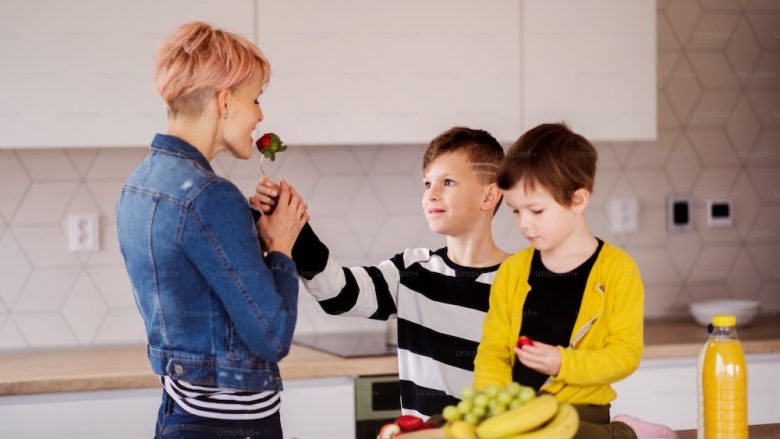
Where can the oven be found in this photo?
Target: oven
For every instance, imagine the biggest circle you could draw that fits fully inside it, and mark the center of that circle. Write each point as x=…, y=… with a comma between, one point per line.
x=377, y=402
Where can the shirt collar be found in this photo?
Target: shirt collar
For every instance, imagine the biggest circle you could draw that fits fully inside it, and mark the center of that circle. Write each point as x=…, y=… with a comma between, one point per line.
x=177, y=146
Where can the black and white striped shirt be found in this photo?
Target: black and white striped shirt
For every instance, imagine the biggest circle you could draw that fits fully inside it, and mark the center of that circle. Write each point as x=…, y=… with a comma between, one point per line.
x=216, y=403
x=440, y=307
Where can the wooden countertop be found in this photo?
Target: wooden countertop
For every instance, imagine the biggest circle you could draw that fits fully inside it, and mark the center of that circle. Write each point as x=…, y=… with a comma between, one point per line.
x=126, y=367
x=765, y=431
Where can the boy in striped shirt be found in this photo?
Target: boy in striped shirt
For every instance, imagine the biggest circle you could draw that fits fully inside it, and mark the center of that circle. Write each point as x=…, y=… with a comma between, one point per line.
x=439, y=296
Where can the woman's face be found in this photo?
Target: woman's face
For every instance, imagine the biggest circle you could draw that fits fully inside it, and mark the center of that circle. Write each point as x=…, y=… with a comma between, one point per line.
x=243, y=115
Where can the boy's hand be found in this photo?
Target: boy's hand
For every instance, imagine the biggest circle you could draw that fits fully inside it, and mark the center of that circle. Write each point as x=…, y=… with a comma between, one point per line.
x=266, y=195
x=278, y=231
x=540, y=357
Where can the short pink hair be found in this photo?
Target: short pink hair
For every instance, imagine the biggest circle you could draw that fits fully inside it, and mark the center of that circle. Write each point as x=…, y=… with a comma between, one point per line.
x=199, y=60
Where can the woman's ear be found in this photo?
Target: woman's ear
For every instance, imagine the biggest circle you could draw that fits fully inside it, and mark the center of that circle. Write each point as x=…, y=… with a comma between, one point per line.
x=223, y=103
x=580, y=200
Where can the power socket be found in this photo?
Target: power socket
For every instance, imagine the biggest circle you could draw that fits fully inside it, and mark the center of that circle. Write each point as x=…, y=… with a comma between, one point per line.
x=623, y=215
x=679, y=210
x=83, y=233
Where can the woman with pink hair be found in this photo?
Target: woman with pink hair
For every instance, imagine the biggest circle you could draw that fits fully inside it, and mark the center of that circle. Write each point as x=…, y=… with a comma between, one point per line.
x=219, y=312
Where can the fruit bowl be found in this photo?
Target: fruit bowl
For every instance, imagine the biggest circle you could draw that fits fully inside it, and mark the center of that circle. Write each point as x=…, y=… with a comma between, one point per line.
x=744, y=310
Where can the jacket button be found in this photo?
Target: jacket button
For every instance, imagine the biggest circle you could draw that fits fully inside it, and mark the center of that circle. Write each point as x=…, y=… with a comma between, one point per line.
x=178, y=368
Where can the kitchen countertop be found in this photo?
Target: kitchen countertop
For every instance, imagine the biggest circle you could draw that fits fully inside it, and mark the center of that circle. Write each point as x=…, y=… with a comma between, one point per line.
x=765, y=431
x=105, y=368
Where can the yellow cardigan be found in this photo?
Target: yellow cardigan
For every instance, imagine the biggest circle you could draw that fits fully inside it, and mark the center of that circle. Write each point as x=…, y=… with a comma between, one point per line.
x=606, y=342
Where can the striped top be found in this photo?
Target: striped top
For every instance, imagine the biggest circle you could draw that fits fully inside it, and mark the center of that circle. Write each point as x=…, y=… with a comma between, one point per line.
x=215, y=403
x=440, y=307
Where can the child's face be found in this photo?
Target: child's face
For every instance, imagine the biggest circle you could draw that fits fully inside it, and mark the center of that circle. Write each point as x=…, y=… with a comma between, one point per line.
x=244, y=114
x=452, y=201
x=539, y=217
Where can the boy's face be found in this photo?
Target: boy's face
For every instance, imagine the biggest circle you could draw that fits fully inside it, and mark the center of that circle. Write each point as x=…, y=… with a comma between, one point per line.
x=539, y=217
x=453, y=194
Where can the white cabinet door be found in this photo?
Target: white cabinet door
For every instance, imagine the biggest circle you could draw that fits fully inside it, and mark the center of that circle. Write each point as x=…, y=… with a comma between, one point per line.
x=319, y=408
x=79, y=72
x=118, y=414
x=591, y=64
x=665, y=391
x=378, y=71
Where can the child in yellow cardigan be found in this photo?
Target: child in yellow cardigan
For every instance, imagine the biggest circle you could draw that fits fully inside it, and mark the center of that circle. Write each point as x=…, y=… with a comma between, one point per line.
x=577, y=297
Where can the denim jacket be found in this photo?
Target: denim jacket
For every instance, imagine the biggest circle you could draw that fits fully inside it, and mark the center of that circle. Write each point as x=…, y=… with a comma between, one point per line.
x=216, y=312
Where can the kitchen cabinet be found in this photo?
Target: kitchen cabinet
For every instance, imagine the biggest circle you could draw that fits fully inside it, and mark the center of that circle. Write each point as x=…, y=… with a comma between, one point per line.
x=80, y=73
x=664, y=390
x=376, y=71
x=321, y=408
x=119, y=414
x=591, y=64
x=312, y=409
x=349, y=71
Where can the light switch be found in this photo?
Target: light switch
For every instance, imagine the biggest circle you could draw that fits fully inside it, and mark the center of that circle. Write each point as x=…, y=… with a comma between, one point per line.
x=719, y=213
x=678, y=213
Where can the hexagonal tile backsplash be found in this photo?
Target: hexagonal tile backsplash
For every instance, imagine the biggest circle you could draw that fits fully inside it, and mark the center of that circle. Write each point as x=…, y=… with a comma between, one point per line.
x=719, y=111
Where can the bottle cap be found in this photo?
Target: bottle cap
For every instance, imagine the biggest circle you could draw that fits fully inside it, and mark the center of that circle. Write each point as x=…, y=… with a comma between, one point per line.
x=725, y=320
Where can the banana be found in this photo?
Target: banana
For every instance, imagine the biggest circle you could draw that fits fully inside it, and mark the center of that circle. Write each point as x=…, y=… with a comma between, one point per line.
x=563, y=426
x=460, y=430
x=520, y=420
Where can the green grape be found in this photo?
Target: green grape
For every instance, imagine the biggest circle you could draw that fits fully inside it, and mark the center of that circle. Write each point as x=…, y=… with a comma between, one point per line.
x=504, y=398
x=471, y=418
x=497, y=410
x=491, y=391
x=513, y=388
x=451, y=413
x=526, y=394
x=468, y=393
x=464, y=406
x=515, y=404
x=481, y=400
x=480, y=411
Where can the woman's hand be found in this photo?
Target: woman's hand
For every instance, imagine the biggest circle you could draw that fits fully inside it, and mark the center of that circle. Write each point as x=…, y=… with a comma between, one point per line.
x=279, y=230
x=540, y=357
x=266, y=194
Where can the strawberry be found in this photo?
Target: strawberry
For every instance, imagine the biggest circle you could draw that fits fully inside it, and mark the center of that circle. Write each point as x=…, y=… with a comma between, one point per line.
x=524, y=341
x=269, y=144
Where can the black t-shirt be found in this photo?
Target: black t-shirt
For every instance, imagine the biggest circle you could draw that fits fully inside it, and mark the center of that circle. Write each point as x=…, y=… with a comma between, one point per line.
x=550, y=309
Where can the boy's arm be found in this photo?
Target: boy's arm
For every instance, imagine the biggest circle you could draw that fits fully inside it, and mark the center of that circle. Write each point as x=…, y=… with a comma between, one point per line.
x=493, y=364
x=357, y=291
x=623, y=344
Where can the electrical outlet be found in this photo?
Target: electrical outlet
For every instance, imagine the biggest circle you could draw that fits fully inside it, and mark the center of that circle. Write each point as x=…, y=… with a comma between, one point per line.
x=83, y=233
x=623, y=215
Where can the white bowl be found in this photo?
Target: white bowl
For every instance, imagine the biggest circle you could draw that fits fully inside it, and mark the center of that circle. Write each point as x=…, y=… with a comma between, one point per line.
x=744, y=310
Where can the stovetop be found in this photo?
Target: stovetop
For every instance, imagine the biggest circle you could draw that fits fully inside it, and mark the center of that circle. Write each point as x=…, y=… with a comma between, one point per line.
x=349, y=344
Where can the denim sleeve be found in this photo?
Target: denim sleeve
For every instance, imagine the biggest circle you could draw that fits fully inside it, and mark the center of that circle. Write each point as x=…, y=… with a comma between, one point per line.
x=219, y=237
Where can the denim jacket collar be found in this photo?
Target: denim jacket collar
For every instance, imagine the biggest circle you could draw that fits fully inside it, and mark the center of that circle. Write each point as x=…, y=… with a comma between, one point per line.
x=177, y=146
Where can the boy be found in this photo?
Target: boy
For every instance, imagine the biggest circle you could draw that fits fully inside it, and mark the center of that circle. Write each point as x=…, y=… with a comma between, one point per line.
x=441, y=296
x=577, y=297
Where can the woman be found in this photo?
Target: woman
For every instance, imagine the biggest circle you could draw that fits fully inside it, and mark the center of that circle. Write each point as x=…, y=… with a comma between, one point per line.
x=218, y=314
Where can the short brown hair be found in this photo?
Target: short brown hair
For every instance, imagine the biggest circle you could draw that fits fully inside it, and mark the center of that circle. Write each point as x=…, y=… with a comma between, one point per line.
x=553, y=156
x=483, y=150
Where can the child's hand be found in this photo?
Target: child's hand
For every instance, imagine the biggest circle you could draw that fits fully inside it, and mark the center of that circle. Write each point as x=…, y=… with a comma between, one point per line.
x=540, y=357
x=279, y=230
x=266, y=195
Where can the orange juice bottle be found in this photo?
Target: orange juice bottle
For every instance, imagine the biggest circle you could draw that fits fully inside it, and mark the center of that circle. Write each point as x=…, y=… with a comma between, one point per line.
x=723, y=381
